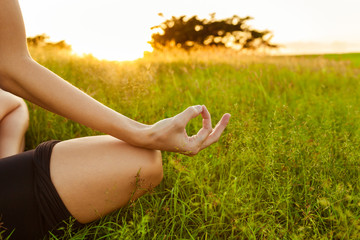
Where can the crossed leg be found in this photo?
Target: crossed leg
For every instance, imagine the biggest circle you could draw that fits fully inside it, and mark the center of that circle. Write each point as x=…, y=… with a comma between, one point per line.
x=97, y=175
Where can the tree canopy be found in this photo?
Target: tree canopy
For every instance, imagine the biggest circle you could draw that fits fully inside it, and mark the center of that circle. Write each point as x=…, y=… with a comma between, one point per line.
x=188, y=32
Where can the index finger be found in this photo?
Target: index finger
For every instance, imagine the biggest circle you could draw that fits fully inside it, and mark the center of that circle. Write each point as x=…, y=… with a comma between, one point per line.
x=189, y=113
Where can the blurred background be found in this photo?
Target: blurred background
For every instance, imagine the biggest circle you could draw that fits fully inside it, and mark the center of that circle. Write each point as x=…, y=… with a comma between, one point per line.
x=119, y=30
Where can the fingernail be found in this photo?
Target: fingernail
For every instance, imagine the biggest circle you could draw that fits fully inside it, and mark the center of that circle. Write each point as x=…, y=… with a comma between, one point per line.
x=198, y=108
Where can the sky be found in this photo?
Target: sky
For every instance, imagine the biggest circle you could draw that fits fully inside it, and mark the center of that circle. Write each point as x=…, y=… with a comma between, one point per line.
x=120, y=30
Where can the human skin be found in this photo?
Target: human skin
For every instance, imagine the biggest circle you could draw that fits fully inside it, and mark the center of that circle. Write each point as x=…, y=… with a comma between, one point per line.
x=95, y=175
x=14, y=121
x=22, y=76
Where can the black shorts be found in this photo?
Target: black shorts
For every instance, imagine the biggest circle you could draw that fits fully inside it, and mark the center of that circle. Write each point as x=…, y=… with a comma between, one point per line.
x=30, y=206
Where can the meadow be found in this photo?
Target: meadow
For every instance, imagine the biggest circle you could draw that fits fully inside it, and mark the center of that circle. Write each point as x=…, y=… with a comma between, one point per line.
x=286, y=167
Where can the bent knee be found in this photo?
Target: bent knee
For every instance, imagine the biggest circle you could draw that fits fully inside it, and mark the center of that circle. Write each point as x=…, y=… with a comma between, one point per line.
x=22, y=114
x=155, y=167
x=151, y=169
x=24, y=111
x=10, y=103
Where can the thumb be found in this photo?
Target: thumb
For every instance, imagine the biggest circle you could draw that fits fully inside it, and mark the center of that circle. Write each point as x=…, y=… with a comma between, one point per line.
x=190, y=113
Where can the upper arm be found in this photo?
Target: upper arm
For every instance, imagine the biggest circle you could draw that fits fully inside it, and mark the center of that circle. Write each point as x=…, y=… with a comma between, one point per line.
x=12, y=35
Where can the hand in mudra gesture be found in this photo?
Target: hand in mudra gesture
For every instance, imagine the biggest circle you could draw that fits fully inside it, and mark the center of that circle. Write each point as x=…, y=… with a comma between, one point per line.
x=170, y=135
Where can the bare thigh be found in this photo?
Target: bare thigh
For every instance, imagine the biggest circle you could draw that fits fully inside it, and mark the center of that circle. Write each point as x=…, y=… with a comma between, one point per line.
x=97, y=175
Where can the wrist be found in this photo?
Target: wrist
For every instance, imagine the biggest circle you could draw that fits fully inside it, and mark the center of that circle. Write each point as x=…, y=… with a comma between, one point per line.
x=142, y=136
x=133, y=132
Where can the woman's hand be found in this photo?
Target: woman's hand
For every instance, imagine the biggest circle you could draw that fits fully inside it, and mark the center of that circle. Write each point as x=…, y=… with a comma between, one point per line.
x=170, y=134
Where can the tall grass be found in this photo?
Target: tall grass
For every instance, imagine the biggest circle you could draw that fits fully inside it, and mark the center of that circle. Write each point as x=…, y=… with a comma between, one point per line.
x=287, y=166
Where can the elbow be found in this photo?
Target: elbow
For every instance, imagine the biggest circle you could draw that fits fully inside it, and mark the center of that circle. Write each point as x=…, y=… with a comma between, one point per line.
x=10, y=68
x=10, y=65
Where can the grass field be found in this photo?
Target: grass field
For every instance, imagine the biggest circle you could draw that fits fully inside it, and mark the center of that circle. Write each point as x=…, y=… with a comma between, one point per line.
x=287, y=166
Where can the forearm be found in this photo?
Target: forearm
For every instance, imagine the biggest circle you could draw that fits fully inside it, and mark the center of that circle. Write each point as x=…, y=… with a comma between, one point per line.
x=29, y=80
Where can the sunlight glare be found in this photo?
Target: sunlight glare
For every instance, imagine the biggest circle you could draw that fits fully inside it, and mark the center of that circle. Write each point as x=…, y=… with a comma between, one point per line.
x=119, y=30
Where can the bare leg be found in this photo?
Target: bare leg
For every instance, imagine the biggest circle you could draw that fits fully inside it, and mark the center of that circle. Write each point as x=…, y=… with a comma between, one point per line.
x=14, y=121
x=97, y=175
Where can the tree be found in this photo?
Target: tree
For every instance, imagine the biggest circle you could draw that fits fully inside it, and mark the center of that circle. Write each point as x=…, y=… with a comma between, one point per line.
x=188, y=32
x=42, y=41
